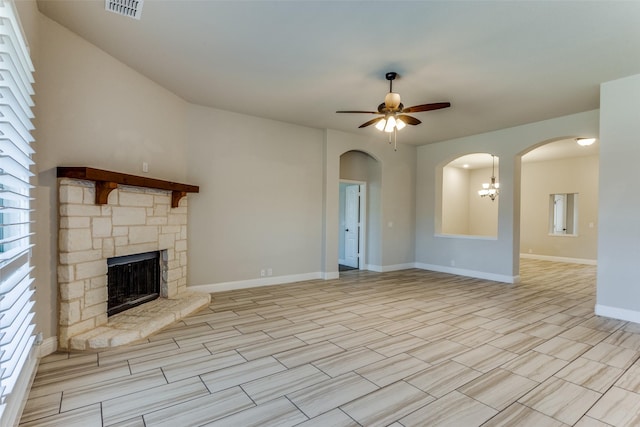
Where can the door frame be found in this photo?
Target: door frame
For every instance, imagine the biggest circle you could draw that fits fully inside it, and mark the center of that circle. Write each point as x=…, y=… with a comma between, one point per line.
x=362, y=234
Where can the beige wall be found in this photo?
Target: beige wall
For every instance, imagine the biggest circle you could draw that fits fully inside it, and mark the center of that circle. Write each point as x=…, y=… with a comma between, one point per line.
x=357, y=166
x=455, y=200
x=260, y=200
x=618, y=293
x=539, y=180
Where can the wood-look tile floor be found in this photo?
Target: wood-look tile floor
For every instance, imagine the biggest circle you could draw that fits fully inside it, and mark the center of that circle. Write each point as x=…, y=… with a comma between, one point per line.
x=407, y=348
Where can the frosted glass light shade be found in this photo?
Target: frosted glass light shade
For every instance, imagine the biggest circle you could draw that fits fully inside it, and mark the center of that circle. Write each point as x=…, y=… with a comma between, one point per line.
x=391, y=123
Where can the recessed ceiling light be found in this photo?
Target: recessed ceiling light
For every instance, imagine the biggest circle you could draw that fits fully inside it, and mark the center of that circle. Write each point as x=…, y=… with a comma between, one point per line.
x=466, y=165
x=585, y=141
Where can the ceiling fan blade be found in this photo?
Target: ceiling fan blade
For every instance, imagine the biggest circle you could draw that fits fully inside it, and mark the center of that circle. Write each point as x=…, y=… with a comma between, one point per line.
x=427, y=107
x=370, y=122
x=409, y=120
x=356, y=111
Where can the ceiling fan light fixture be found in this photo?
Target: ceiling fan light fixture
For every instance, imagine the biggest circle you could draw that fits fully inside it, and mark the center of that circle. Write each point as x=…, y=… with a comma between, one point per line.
x=392, y=115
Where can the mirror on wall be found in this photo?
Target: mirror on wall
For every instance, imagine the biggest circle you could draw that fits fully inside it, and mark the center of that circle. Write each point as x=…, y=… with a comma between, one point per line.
x=464, y=211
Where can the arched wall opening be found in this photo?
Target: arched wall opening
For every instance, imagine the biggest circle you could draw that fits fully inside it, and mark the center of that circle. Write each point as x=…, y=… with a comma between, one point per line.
x=464, y=211
x=559, y=201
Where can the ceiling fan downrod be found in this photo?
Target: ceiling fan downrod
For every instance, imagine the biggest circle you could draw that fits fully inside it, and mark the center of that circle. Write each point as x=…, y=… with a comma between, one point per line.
x=391, y=76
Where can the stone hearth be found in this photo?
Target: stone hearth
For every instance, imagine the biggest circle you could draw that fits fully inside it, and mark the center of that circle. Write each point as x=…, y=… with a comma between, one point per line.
x=134, y=220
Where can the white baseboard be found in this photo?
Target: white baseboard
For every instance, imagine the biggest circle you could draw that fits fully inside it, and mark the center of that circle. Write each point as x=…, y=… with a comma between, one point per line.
x=386, y=268
x=372, y=267
x=469, y=273
x=280, y=280
x=618, y=313
x=330, y=275
x=263, y=281
x=48, y=346
x=561, y=259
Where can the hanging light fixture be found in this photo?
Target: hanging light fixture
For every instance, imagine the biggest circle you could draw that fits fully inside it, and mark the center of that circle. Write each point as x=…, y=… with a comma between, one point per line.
x=493, y=188
x=393, y=115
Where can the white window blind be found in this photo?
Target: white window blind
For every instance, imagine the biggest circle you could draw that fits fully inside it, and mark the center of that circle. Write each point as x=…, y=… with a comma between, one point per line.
x=16, y=290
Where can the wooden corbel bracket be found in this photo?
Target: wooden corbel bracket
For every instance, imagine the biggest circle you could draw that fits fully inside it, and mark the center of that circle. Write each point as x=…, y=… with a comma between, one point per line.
x=103, y=188
x=176, y=196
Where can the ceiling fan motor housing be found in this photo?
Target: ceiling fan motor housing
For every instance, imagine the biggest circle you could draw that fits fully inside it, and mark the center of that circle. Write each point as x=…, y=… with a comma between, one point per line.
x=392, y=100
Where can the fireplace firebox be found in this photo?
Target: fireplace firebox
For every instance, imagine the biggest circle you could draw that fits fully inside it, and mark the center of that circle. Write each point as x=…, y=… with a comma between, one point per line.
x=132, y=280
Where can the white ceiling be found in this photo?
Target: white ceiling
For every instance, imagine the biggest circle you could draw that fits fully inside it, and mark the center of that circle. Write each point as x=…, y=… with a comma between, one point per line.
x=499, y=63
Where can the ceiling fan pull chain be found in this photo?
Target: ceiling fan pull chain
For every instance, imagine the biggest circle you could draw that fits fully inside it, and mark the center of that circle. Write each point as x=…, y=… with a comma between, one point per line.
x=395, y=139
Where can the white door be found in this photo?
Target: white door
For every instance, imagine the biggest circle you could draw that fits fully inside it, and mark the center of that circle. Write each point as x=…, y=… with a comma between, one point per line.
x=559, y=214
x=351, y=225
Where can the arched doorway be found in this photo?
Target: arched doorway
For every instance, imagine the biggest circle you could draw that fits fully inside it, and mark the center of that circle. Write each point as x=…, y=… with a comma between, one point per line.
x=359, y=196
x=559, y=202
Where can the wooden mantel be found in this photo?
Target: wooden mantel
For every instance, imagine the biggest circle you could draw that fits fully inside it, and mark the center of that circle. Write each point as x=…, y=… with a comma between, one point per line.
x=106, y=181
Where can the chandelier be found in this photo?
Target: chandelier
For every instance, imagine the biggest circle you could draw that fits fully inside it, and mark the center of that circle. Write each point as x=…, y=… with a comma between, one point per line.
x=493, y=188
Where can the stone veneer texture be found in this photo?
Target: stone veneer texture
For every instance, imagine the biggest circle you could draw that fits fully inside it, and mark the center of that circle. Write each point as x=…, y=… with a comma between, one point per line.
x=135, y=220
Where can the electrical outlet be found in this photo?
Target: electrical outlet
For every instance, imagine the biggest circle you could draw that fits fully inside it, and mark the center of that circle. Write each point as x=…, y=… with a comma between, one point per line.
x=145, y=167
x=262, y=273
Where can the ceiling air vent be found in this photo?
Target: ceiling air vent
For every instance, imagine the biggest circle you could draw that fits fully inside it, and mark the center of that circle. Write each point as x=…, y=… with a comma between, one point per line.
x=130, y=8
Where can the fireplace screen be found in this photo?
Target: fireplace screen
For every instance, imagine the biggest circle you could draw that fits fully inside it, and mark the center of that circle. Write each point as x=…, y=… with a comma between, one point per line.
x=132, y=280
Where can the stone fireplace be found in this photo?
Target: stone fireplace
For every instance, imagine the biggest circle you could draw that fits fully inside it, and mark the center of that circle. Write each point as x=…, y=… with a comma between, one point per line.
x=125, y=220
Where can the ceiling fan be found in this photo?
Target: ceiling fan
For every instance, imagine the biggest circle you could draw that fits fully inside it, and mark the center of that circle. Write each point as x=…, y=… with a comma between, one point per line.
x=392, y=112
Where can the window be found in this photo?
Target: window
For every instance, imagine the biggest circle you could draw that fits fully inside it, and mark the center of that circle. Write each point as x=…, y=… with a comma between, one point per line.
x=563, y=214
x=16, y=291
